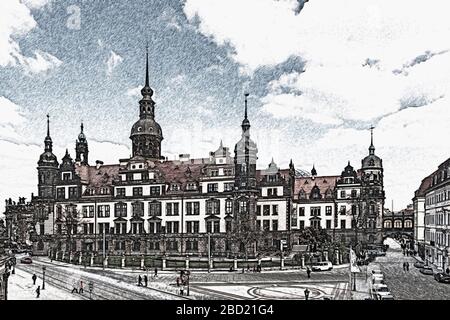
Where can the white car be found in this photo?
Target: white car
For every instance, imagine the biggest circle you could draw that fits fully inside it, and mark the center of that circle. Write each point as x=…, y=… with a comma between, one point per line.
x=380, y=291
x=322, y=266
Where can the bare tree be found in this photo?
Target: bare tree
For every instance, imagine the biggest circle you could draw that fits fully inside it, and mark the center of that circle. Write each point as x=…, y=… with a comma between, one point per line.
x=68, y=220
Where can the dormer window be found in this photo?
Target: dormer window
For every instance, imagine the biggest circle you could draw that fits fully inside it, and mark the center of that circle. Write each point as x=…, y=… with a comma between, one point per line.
x=191, y=186
x=66, y=176
x=214, y=173
x=174, y=187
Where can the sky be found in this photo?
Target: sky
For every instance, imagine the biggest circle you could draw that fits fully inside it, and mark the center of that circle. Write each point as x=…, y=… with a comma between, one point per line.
x=319, y=74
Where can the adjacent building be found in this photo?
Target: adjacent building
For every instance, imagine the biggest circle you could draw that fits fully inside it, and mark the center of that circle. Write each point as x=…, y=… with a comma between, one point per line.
x=432, y=216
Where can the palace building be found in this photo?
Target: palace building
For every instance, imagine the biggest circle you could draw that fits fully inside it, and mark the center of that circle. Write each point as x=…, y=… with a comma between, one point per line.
x=150, y=205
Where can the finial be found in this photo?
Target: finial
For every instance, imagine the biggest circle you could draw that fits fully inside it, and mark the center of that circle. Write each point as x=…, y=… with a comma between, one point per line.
x=67, y=152
x=82, y=126
x=371, y=148
x=246, y=95
x=48, y=125
x=146, y=67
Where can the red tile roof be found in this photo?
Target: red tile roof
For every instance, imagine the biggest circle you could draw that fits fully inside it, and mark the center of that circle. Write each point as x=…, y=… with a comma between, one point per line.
x=307, y=183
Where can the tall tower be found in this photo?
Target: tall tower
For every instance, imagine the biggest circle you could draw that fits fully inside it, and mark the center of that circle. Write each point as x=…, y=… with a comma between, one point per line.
x=47, y=168
x=81, y=148
x=146, y=134
x=246, y=192
x=372, y=189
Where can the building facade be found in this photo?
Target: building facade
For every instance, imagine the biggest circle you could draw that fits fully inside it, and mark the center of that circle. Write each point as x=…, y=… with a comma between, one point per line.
x=222, y=203
x=432, y=211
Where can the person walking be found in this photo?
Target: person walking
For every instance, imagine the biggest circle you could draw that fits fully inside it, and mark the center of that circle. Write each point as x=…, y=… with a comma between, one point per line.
x=447, y=271
x=407, y=266
x=38, y=291
x=81, y=290
x=145, y=280
x=74, y=285
x=156, y=273
x=404, y=266
x=139, y=280
x=306, y=294
x=308, y=272
x=34, y=277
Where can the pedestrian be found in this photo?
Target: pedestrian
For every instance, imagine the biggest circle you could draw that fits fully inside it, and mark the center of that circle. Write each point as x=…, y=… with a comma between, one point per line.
x=34, y=277
x=178, y=281
x=404, y=266
x=306, y=294
x=139, y=280
x=75, y=289
x=447, y=271
x=182, y=290
x=243, y=270
x=145, y=280
x=38, y=291
x=254, y=269
x=308, y=272
x=248, y=267
x=407, y=266
x=81, y=290
x=156, y=273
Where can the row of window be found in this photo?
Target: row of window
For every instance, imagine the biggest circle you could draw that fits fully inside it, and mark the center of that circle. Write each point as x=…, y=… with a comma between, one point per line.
x=120, y=227
x=266, y=210
x=315, y=223
x=439, y=219
x=437, y=198
x=398, y=224
x=440, y=239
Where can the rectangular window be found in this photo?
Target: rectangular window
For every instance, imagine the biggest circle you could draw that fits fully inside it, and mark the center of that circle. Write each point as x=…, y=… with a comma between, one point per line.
x=60, y=193
x=208, y=226
x=155, y=191
x=216, y=226
x=294, y=221
x=328, y=224
x=120, y=192
x=154, y=208
x=328, y=210
x=258, y=224
x=266, y=225
x=229, y=206
x=343, y=194
x=137, y=191
x=342, y=210
x=266, y=210
x=258, y=210
x=213, y=187
x=73, y=192
x=213, y=207
x=343, y=224
x=41, y=229
x=315, y=211
x=103, y=211
x=301, y=211
x=302, y=224
x=275, y=210
x=275, y=225
x=168, y=209
x=120, y=210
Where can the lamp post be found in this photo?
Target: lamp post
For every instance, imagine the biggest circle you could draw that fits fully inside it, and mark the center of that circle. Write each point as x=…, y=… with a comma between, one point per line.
x=43, y=277
x=209, y=254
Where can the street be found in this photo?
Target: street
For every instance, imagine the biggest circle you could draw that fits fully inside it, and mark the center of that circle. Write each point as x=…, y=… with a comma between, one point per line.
x=411, y=285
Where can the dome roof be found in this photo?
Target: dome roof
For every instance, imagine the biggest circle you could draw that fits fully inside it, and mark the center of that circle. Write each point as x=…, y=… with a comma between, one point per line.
x=146, y=126
x=48, y=159
x=372, y=161
x=349, y=171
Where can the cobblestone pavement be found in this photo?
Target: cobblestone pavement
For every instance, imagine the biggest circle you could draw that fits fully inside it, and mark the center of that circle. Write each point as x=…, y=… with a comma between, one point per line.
x=411, y=285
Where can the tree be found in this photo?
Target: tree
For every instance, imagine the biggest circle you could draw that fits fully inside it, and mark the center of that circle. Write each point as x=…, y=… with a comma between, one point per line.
x=67, y=222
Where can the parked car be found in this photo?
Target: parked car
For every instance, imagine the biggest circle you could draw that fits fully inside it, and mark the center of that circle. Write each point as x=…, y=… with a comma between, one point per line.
x=26, y=260
x=426, y=270
x=419, y=264
x=442, y=277
x=377, y=272
x=378, y=279
x=380, y=291
x=322, y=266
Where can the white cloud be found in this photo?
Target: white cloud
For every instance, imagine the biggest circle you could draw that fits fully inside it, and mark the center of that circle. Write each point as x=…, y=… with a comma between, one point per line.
x=113, y=61
x=16, y=20
x=36, y=4
x=43, y=62
x=375, y=61
x=134, y=92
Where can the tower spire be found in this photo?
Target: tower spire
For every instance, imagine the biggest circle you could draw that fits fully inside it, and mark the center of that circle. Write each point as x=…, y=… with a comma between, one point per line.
x=246, y=122
x=82, y=126
x=48, y=140
x=371, y=148
x=146, y=67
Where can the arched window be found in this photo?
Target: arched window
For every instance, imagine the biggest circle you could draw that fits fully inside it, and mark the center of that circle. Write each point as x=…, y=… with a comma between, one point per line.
x=371, y=162
x=388, y=224
x=398, y=224
x=408, y=224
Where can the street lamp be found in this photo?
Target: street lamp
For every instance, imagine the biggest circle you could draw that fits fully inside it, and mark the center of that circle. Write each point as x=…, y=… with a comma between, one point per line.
x=43, y=277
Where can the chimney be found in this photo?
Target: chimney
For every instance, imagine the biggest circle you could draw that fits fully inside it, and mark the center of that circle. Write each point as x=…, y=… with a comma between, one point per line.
x=98, y=164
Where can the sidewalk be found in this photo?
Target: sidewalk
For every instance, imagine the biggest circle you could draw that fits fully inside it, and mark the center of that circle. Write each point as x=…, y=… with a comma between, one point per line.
x=362, y=284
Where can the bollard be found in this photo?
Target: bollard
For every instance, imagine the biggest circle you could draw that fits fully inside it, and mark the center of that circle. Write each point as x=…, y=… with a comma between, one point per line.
x=92, y=260
x=106, y=262
x=303, y=262
x=80, y=259
x=163, y=263
x=123, y=262
x=187, y=263
x=235, y=264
